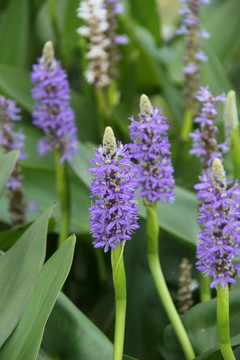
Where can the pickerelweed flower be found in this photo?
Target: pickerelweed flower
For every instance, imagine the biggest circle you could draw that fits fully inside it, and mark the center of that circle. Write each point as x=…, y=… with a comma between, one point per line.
x=101, y=30
x=13, y=140
x=113, y=215
x=191, y=28
x=186, y=287
x=150, y=149
x=205, y=143
x=52, y=112
x=219, y=213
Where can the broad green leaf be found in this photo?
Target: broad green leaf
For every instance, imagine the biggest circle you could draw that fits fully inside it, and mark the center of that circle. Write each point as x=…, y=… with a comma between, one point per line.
x=213, y=73
x=24, y=343
x=147, y=15
x=19, y=269
x=150, y=67
x=70, y=24
x=126, y=357
x=77, y=338
x=200, y=323
x=176, y=217
x=14, y=33
x=81, y=162
x=223, y=40
x=7, y=163
x=43, y=356
x=15, y=84
x=10, y=236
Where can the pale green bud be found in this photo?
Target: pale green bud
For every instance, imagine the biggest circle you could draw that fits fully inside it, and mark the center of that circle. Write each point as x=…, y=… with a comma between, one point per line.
x=109, y=142
x=230, y=115
x=48, y=55
x=218, y=175
x=145, y=106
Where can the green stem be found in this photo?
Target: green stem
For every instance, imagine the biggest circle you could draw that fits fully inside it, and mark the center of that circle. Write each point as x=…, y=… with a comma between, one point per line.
x=119, y=281
x=187, y=125
x=102, y=109
x=63, y=193
x=152, y=229
x=223, y=323
x=205, y=291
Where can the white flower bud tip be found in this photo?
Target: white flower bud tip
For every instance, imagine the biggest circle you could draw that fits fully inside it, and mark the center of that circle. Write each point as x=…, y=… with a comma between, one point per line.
x=218, y=175
x=145, y=106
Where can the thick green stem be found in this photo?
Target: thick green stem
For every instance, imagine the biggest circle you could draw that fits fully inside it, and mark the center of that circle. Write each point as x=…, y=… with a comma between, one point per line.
x=205, y=291
x=223, y=323
x=63, y=193
x=152, y=229
x=119, y=282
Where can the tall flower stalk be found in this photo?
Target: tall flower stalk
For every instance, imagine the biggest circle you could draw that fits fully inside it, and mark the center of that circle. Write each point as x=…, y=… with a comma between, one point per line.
x=13, y=140
x=53, y=114
x=154, y=177
x=194, y=57
x=102, y=55
x=113, y=217
x=206, y=147
x=219, y=242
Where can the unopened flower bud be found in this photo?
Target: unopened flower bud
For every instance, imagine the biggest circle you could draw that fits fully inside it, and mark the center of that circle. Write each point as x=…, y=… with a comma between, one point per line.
x=145, y=106
x=218, y=175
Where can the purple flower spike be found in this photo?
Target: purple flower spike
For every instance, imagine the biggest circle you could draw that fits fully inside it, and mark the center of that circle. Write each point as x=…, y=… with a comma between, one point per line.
x=13, y=140
x=205, y=140
x=219, y=214
x=191, y=28
x=52, y=112
x=113, y=215
x=150, y=149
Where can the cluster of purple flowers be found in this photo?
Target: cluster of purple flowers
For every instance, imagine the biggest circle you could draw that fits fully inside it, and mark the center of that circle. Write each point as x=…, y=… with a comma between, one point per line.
x=191, y=28
x=150, y=149
x=205, y=140
x=13, y=140
x=10, y=139
x=101, y=30
x=219, y=213
x=113, y=215
x=52, y=112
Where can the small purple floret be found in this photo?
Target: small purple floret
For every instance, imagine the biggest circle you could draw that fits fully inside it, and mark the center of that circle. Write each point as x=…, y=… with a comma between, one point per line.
x=150, y=149
x=205, y=143
x=219, y=239
x=113, y=215
x=52, y=112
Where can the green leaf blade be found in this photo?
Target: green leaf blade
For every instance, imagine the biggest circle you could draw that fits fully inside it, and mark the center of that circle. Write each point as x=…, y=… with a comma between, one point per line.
x=19, y=269
x=25, y=341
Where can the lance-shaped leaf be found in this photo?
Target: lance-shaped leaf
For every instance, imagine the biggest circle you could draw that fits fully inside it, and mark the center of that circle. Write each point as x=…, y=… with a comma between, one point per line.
x=24, y=343
x=19, y=270
x=69, y=334
x=7, y=163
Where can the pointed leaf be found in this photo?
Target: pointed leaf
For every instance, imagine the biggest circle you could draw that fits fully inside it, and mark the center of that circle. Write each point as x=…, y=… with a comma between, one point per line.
x=200, y=324
x=7, y=163
x=15, y=84
x=24, y=343
x=14, y=33
x=19, y=269
x=77, y=338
